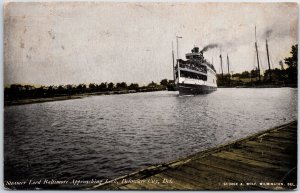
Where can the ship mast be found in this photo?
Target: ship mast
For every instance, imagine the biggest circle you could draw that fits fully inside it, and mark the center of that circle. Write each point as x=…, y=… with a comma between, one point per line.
x=257, y=56
x=173, y=62
x=177, y=37
x=228, y=68
x=270, y=76
x=221, y=64
x=228, y=64
x=178, y=67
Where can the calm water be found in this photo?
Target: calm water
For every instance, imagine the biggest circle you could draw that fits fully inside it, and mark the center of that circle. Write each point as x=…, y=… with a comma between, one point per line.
x=109, y=136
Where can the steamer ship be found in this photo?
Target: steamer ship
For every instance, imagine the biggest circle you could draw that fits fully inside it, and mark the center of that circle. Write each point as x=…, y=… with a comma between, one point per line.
x=195, y=75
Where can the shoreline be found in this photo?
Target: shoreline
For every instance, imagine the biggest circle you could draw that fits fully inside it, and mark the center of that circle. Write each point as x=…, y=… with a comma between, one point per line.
x=69, y=97
x=41, y=100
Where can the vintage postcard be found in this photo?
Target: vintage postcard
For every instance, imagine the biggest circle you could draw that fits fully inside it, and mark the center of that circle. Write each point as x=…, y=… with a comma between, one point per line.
x=150, y=95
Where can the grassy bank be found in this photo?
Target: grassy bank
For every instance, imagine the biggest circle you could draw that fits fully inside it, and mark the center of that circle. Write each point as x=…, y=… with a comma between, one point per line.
x=69, y=97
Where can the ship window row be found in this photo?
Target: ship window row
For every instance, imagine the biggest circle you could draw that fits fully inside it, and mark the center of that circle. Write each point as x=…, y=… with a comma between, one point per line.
x=193, y=75
x=195, y=67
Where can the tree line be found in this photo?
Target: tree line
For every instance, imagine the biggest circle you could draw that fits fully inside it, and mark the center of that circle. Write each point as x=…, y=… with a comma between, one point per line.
x=18, y=91
x=275, y=76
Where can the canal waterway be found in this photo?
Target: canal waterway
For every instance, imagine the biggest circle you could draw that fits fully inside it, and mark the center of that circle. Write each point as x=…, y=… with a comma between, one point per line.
x=109, y=136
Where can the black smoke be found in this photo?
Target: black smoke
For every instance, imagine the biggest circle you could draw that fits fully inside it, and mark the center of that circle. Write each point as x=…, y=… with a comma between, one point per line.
x=209, y=46
x=268, y=33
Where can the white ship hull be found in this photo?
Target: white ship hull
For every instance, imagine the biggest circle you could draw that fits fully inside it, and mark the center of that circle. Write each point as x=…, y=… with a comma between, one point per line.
x=188, y=86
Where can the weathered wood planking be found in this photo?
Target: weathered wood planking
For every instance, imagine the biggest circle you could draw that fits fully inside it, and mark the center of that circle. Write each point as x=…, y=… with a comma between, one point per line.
x=267, y=160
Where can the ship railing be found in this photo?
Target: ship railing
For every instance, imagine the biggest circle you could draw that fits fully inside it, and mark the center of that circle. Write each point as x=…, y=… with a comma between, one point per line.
x=193, y=67
x=194, y=71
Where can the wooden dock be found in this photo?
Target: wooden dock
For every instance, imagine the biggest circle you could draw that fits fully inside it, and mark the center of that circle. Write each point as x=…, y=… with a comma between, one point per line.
x=264, y=161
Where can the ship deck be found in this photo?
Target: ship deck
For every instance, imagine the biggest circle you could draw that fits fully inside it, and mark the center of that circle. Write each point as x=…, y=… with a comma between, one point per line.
x=264, y=161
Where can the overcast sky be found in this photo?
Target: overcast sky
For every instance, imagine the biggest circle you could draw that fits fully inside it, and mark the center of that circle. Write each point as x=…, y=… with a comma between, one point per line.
x=71, y=43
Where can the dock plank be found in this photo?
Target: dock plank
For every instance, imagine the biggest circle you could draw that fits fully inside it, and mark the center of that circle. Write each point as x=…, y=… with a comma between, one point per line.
x=262, y=157
x=255, y=171
x=244, y=174
x=264, y=161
